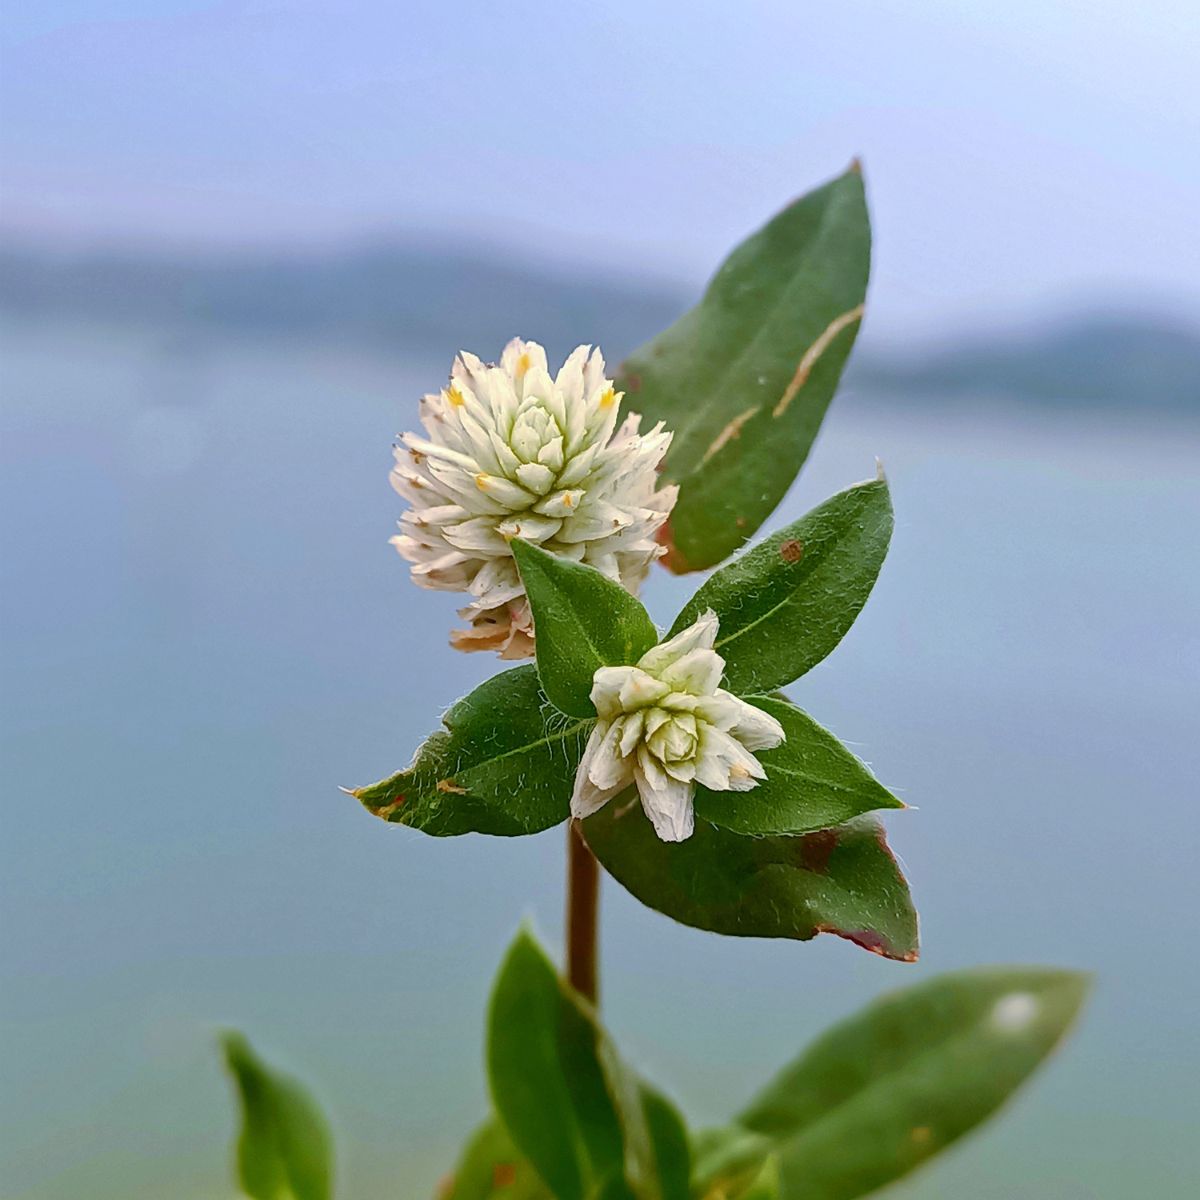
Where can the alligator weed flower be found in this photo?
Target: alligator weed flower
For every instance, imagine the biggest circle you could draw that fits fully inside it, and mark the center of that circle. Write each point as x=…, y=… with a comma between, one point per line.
x=666, y=726
x=512, y=452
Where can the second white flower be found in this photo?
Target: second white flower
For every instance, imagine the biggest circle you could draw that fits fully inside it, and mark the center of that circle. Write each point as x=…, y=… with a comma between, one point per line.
x=665, y=726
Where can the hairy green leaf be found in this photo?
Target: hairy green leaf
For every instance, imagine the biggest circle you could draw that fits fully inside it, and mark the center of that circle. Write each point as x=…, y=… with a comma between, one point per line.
x=505, y=764
x=583, y=621
x=812, y=782
x=843, y=880
x=284, y=1151
x=894, y=1085
x=786, y=603
x=745, y=377
x=491, y=1168
x=583, y=1120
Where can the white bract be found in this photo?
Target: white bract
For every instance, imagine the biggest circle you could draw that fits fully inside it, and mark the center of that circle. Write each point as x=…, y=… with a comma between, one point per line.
x=511, y=452
x=666, y=726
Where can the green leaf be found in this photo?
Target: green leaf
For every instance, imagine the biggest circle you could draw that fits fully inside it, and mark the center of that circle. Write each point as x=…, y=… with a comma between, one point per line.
x=812, y=782
x=785, y=604
x=766, y=1185
x=585, y=1122
x=491, y=1168
x=882, y=1092
x=727, y=1162
x=744, y=378
x=284, y=1151
x=505, y=765
x=843, y=881
x=583, y=621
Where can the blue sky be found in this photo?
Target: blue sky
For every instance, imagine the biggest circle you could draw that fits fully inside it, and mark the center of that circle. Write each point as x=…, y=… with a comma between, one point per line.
x=1020, y=156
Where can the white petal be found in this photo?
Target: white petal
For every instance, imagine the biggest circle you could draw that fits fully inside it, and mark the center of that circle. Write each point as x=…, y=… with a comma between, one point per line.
x=724, y=764
x=606, y=690
x=701, y=635
x=755, y=729
x=666, y=801
x=587, y=798
x=699, y=671
x=608, y=768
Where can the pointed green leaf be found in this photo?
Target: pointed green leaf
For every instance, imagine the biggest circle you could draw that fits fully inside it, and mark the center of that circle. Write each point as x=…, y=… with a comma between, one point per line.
x=284, y=1151
x=812, y=782
x=785, y=604
x=882, y=1092
x=744, y=378
x=584, y=621
x=588, y=1126
x=843, y=881
x=491, y=1168
x=505, y=764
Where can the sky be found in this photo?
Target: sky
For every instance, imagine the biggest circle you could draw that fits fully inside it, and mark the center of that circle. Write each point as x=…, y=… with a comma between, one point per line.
x=1020, y=156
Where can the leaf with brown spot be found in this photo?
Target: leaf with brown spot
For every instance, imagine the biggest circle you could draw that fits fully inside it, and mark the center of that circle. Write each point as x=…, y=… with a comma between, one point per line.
x=781, y=612
x=761, y=886
x=504, y=764
x=744, y=378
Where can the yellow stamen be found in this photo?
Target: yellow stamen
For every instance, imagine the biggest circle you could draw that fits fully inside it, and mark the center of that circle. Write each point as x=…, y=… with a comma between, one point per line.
x=608, y=399
x=456, y=397
x=523, y=364
x=481, y=481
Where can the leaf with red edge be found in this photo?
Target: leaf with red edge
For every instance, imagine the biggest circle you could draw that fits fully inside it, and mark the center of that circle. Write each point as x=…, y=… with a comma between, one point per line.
x=844, y=880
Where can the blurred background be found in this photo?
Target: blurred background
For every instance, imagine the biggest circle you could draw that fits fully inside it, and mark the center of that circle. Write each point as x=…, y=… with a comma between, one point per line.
x=239, y=240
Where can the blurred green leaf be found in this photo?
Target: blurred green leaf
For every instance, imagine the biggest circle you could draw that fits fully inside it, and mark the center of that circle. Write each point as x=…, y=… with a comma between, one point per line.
x=583, y=1120
x=726, y=1161
x=843, y=880
x=491, y=1168
x=284, y=1151
x=786, y=603
x=882, y=1092
x=766, y=1185
x=812, y=782
x=505, y=764
x=583, y=621
x=745, y=377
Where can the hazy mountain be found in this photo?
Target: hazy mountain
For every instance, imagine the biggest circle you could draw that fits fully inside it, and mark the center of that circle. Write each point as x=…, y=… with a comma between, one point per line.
x=406, y=297
x=1104, y=359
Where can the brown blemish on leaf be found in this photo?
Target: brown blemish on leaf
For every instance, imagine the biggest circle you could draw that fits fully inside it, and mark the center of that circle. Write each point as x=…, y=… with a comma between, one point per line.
x=673, y=560
x=740, y=522
x=809, y=359
x=503, y=1175
x=921, y=1134
x=633, y=383
x=816, y=849
x=448, y=785
x=792, y=550
x=732, y=430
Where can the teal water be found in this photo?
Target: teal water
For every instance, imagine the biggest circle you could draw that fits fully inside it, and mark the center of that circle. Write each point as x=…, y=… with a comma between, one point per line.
x=205, y=633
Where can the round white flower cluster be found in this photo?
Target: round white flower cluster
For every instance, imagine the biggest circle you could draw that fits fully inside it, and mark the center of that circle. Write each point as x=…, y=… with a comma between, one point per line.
x=512, y=452
x=666, y=726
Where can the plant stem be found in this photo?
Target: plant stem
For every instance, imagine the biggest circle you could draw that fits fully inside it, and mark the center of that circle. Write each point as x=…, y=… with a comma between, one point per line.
x=583, y=910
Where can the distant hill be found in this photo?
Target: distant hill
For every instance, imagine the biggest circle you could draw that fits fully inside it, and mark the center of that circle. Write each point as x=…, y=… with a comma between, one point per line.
x=396, y=298
x=1105, y=359
x=404, y=297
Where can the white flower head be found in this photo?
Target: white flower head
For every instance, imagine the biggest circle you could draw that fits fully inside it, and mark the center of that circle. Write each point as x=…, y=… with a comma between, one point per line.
x=512, y=452
x=666, y=726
